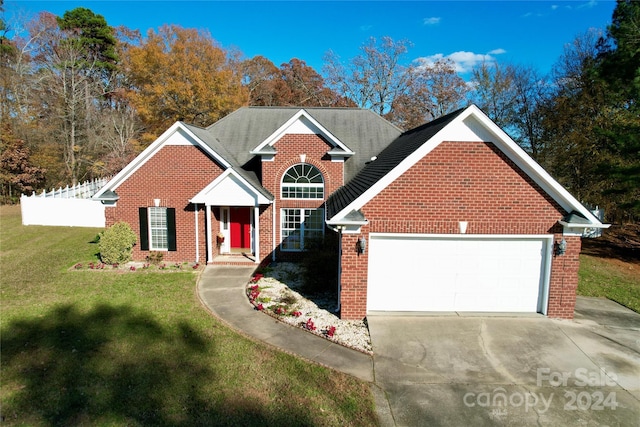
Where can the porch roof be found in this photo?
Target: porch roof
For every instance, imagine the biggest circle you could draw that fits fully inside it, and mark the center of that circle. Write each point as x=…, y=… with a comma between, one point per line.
x=232, y=188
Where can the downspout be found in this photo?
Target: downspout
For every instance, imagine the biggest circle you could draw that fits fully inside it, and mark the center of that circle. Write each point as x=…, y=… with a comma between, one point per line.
x=197, y=235
x=339, y=269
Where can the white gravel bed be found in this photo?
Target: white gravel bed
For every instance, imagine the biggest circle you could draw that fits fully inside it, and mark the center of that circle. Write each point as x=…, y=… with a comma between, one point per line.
x=280, y=287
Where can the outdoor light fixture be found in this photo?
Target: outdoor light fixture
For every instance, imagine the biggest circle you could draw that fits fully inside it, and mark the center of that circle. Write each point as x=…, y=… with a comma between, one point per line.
x=561, y=247
x=361, y=245
x=108, y=198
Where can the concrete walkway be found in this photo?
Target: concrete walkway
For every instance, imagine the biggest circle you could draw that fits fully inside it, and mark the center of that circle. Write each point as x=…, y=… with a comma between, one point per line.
x=222, y=290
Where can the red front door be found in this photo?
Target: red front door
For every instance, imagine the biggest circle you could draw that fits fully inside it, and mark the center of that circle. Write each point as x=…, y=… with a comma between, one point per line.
x=240, y=228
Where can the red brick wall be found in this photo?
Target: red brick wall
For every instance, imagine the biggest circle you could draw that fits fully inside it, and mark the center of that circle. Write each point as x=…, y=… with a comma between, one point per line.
x=289, y=149
x=177, y=173
x=564, y=278
x=174, y=174
x=461, y=181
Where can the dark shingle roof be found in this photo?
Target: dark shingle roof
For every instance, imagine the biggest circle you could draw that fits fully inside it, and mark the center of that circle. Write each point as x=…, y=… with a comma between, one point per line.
x=361, y=130
x=385, y=162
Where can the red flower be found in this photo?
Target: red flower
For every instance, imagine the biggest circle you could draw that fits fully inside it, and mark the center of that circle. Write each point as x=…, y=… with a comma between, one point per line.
x=256, y=277
x=253, y=295
x=260, y=307
x=331, y=331
x=297, y=313
x=309, y=325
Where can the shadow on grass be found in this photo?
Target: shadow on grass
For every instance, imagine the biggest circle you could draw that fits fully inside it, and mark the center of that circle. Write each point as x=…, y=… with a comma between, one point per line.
x=618, y=242
x=116, y=365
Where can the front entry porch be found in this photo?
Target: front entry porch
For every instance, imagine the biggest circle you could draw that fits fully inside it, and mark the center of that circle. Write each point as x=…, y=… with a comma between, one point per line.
x=232, y=206
x=232, y=234
x=237, y=236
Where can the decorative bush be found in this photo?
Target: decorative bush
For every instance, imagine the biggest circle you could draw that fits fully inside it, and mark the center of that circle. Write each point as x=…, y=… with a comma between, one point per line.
x=116, y=243
x=155, y=257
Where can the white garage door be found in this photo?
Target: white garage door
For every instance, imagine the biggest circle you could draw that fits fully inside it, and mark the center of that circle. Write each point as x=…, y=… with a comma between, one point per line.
x=466, y=273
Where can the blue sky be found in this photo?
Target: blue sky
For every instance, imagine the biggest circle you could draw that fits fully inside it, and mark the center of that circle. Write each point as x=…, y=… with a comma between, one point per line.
x=522, y=32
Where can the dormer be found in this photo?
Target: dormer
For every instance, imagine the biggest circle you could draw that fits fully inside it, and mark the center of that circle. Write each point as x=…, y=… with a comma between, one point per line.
x=303, y=123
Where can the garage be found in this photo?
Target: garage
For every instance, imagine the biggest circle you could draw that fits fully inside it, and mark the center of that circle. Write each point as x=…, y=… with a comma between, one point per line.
x=460, y=273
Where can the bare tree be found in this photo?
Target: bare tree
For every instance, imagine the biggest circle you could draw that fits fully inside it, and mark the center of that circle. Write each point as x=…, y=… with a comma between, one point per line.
x=511, y=96
x=373, y=79
x=433, y=90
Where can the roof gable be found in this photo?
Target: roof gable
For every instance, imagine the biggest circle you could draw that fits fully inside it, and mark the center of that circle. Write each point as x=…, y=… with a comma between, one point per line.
x=177, y=134
x=303, y=123
x=391, y=162
x=231, y=189
x=469, y=124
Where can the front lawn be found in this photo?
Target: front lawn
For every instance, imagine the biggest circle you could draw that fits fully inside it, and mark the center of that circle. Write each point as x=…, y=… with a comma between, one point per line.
x=610, y=266
x=610, y=278
x=83, y=347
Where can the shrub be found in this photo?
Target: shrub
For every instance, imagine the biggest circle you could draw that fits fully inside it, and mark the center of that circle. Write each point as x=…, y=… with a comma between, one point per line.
x=116, y=243
x=155, y=258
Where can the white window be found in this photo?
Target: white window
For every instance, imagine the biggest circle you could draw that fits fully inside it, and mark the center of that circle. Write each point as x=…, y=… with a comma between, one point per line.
x=158, y=230
x=299, y=225
x=302, y=181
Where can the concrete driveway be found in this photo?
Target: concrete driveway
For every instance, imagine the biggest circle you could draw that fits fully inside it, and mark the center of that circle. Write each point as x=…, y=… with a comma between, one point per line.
x=518, y=370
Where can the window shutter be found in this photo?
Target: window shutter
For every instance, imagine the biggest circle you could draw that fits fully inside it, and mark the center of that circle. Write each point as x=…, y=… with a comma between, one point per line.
x=144, y=229
x=171, y=229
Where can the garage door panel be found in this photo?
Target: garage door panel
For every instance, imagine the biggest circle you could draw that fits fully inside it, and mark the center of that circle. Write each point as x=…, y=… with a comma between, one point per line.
x=455, y=274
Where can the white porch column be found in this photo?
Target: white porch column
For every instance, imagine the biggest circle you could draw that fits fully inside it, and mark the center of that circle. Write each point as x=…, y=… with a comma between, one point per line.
x=256, y=233
x=209, y=245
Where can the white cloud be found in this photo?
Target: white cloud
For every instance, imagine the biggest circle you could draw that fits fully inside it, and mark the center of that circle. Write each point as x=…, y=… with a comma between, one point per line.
x=589, y=4
x=464, y=61
x=431, y=21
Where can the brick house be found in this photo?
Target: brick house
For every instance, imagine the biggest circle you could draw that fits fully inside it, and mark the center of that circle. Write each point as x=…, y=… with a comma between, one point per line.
x=450, y=216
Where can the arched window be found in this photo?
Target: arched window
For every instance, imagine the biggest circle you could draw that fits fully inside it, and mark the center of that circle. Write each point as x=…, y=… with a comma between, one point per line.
x=303, y=181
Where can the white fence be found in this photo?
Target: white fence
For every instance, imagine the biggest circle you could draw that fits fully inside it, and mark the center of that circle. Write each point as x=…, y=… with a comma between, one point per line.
x=70, y=206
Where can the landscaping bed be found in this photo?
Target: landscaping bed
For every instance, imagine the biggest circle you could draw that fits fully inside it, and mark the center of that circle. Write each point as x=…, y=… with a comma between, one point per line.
x=279, y=292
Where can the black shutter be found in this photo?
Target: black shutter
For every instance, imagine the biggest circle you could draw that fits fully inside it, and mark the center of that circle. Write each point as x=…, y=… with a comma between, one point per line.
x=171, y=229
x=144, y=229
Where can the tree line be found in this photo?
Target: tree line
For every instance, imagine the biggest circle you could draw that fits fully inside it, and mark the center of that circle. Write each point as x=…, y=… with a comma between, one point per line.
x=79, y=98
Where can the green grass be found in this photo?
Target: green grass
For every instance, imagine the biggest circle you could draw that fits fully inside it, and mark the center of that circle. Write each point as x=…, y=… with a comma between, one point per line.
x=137, y=348
x=613, y=279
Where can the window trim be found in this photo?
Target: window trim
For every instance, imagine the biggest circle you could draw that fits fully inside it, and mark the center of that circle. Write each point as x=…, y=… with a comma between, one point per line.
x=301, y=228
x=145, y=229
x=161, y=215
x=299, y=187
